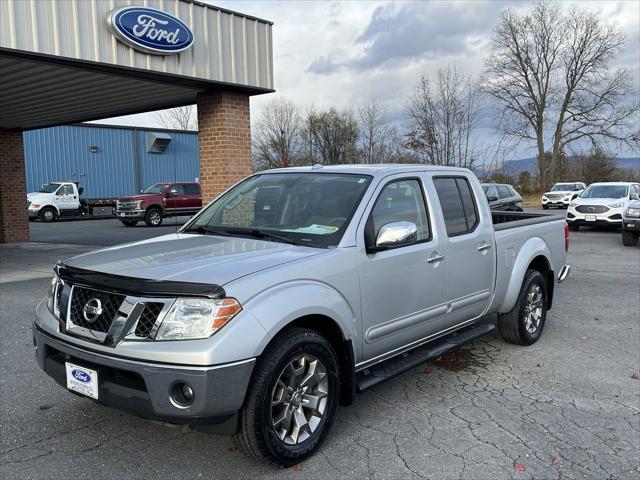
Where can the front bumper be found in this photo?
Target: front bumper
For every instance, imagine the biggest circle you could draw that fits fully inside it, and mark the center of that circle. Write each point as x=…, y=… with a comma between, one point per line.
x=560, y=202
x=33, y=213
x=631, y=224
x=144, y=388
x=129, y=214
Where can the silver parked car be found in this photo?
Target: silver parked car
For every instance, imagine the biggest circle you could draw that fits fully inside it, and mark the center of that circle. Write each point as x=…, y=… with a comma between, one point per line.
x=502, y=196
x=291, y=292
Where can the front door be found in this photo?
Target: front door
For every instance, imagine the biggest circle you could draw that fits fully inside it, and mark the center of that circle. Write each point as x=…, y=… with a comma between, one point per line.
x=471, y=260
x=67, y=200
x=403, y=288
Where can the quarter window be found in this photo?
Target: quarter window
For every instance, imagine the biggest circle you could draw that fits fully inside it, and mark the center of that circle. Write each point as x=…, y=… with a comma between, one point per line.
x=191, y=189
x=401, y=201
x=458, y=206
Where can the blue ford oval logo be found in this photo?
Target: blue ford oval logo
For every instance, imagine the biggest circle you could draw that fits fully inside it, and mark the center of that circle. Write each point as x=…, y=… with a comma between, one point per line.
x=81, y=376
x=151, y=30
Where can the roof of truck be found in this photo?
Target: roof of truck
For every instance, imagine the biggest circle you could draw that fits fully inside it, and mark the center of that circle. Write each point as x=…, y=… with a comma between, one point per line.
x=615, y=184
x=378, y=168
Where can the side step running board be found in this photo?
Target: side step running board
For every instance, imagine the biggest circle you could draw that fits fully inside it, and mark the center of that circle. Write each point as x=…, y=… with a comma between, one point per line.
x=408, y=360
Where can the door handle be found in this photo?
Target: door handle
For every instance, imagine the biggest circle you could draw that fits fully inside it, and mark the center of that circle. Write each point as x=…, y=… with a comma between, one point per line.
x=484, y=246
x=435, y=258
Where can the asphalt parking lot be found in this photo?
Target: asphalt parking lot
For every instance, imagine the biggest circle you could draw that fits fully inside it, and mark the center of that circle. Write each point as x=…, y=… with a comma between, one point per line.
x=566, y=407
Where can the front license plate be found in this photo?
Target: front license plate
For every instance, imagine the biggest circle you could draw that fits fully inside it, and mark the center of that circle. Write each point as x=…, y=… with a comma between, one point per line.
x=590, y=218
x=122, y=214
x=82, y=380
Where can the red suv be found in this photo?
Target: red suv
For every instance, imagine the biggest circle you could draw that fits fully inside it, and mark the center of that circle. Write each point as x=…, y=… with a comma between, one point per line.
x=158, y=201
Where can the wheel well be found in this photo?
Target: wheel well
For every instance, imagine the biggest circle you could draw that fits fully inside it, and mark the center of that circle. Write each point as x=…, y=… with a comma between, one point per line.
x=330, y=330
x=156, y=207
x=541, y=265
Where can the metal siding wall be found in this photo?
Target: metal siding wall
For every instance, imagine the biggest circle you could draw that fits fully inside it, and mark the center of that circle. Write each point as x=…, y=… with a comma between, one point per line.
x=226, y=47
x=179, y=162
x=62, y=153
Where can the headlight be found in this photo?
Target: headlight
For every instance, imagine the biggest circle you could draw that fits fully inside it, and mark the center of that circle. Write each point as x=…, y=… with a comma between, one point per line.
x=566, y=199
x=617, y=205
x=573, y=204
x=52, y=303
x=35, y=205
x=191, y=318
x=138, y=204
x=544, y=197
x=632, y=212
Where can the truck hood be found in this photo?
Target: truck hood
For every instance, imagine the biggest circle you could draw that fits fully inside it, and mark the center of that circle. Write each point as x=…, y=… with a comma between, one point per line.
x=133, y=198
x=38, y=196
x=191, y=258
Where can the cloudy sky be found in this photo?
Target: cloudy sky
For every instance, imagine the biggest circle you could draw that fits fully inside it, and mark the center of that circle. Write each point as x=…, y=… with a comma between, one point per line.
x=348, y=53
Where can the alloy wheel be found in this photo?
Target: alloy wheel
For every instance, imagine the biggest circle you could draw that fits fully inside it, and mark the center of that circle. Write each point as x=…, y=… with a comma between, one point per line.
x=299, y=399
x=533, y=308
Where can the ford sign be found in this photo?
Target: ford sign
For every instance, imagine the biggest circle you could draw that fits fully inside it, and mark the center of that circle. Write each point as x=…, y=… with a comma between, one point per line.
x=150, y=30
x=81, y=376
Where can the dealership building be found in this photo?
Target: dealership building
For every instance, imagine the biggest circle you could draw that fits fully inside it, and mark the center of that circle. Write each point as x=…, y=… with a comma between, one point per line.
x=64, y=62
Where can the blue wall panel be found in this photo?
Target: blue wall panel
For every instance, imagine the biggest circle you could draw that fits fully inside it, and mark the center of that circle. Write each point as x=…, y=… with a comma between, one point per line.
x=63, y=153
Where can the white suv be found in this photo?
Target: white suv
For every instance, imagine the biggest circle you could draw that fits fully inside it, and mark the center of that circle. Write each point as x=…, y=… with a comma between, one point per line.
x=602, y=204
x=561, y=194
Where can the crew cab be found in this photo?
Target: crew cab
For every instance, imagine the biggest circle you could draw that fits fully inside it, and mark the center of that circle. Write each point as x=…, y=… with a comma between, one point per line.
x=159, y=201
x=602, y=204
x=292, y=291
x=561, y=194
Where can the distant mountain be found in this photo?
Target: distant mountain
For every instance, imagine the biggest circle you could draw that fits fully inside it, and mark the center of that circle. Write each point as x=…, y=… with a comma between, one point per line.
x=514, y=167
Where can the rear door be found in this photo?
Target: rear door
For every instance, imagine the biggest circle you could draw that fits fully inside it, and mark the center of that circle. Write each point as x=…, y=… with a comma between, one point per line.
x=470, y=262
x=403, y=288
x=192, y=197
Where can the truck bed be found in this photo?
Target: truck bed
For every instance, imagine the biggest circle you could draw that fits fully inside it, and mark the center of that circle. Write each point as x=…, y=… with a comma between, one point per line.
x=506, y=220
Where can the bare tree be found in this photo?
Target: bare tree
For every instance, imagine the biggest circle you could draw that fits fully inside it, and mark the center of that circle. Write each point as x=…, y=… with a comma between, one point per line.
x=443, y=112
x=276, y=136
x=331, y=136
x=179, y=118
x=549, y=71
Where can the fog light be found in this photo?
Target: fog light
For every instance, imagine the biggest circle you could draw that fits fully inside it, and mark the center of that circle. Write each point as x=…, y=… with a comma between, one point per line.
x=187, y=392
x=181, y=395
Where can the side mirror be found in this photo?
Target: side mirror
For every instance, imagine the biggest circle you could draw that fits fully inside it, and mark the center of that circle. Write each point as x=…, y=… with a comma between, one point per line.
x=634, y=196
x=172, y=193
x=492, y=199
x=80, y=190
x=396, y=234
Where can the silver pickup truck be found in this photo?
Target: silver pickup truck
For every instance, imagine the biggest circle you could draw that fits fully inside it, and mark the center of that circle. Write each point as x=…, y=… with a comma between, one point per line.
x=291, y=292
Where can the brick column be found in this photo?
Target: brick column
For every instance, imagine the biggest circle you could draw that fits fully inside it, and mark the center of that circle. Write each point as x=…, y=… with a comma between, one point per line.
x=224, y=141
x=14, y=222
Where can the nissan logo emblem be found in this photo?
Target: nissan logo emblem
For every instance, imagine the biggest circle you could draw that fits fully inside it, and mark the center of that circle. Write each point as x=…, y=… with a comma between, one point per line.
x=92, y=310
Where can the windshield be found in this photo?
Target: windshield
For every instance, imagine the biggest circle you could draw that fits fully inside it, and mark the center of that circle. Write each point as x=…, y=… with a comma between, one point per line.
x=303, y=208
x=605, y=191
x=156, y=188
x=49, y=187
x=564, y=187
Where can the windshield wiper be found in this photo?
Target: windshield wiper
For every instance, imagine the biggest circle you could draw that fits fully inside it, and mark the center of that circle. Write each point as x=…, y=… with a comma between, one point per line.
x=255, y=233
x=206, y=230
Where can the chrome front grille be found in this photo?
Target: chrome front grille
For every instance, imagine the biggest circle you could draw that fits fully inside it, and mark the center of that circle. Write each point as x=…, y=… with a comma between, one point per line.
x=592, y=209
x=555, y=196
x=126, y=205
x=108, y=316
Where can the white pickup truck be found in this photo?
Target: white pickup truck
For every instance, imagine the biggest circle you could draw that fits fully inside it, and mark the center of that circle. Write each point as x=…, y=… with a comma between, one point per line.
x=292, y=291
x=61, y=199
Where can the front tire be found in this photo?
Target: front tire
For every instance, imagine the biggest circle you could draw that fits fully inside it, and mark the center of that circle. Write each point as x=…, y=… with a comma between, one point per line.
x=129, y=223
x=292, y=399
x=629, y=239
x=545, y=207
x=48, y=214
x=153, y=217
x=524, y=323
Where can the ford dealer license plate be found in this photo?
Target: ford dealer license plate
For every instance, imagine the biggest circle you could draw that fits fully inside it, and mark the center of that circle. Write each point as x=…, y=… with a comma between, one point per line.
x=590, y=218
x=82, y=380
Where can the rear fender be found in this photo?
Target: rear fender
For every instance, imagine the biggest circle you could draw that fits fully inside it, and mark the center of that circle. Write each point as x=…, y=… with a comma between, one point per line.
x=531, y=249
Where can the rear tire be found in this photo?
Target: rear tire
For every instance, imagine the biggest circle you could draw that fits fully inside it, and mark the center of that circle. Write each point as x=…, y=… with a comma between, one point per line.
x=629, y=239
x=153, y=217
x=48, y=214
x=277, y=423
x=524, y=323
x=129, y=223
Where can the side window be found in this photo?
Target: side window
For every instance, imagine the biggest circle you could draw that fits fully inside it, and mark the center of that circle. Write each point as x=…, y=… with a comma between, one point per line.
x=458, y=206
x=504, y=192
x=177, y=189
x=492, y=192
x=65, y=190
x=401, y=201
x=191, y=189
